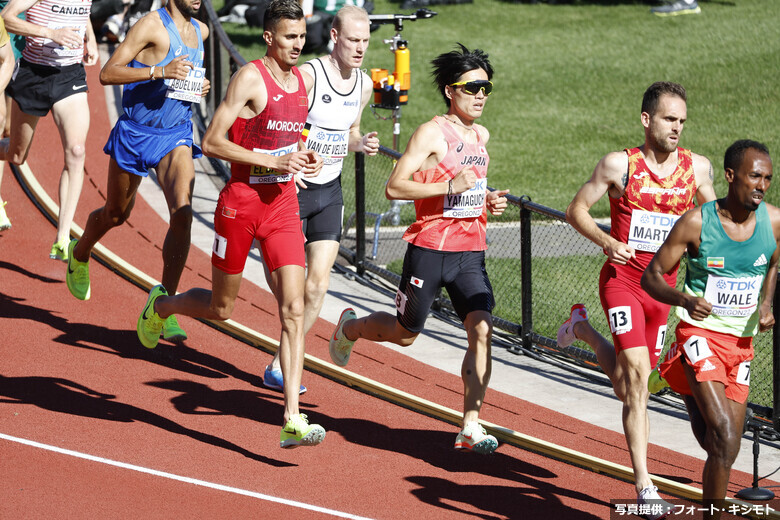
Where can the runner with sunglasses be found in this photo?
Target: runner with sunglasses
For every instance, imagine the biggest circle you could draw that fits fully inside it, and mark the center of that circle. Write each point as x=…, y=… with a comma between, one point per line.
x=649, y=187
x=444, y=170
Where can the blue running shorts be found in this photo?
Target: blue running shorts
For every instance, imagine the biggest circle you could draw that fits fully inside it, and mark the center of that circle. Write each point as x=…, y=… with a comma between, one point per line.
x=136, y=148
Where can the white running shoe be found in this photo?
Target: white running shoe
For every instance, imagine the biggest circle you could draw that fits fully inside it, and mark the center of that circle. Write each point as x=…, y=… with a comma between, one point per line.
x=566, y=333
x=340, y=346
x=474, y=438
x=651, y=505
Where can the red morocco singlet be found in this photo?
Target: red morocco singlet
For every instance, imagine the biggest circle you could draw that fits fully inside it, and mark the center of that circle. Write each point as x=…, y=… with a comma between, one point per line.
x=644, y=215
x=275, y=131
x=453, y=222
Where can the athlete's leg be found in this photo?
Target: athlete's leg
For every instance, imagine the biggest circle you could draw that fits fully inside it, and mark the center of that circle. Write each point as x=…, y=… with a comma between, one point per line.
x=16, y=146
x=724, y=420
x=602, y=347
x=477, y=367
x=216, y=304
x=631, y=372
x=289, y=283
x=120, y=198
x=71, y=115
x=379, y=326
x=176, y=175
x=320, y=256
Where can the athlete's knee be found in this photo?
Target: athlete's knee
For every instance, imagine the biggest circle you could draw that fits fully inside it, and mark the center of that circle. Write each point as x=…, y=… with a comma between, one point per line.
x=291, y=312
x=316, y=288
x=181, y=216
x=75, y=152
x=405, y=337
x=722, y=441
x=221, y=310
x=114, y=216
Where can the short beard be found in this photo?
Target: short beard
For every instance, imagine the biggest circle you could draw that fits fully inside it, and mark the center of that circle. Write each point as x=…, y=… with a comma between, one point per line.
x=185, y=8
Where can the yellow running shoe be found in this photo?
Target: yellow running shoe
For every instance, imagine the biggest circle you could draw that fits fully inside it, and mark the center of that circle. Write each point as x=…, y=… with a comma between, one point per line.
x=77, y=275
x=340, y=346
x=656, y=383
x=171, y=330
x=5, y=223
x=298, y=432
x=149, y=323
x=59, y=251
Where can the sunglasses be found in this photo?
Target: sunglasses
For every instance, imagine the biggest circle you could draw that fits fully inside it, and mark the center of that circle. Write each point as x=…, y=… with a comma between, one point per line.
x=473, y=87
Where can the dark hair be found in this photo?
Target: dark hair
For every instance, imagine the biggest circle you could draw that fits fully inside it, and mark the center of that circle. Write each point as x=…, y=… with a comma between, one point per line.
x=736, y=152
x=450, y=66
x=656, y=90
x=279, y=10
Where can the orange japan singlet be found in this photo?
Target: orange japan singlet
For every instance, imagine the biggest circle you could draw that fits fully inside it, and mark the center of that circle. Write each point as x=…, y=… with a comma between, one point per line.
x=453, y=222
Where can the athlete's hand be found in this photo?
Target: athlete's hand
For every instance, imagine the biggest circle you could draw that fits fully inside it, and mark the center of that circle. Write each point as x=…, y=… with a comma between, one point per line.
x=178, y=68
x=619, y=253
x=496, y=202
x=67, y=37
x=766, y=319
x=698, y=308
x=206, y=87
x=370, y=143
x=304, y=162
x=464, y=180
x=90, y=52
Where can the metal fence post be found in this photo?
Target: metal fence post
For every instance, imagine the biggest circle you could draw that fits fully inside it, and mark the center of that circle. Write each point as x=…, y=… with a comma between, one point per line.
x=360, y=213
x=526, y=299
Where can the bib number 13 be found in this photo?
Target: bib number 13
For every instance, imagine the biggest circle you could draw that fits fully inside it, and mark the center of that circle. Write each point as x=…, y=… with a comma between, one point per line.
x=620, y=319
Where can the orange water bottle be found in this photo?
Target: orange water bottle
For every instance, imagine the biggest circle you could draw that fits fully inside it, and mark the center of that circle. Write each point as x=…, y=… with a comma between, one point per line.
x=402, y=73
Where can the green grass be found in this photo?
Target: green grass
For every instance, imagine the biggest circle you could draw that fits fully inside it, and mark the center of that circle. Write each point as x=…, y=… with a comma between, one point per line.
x=569, y=81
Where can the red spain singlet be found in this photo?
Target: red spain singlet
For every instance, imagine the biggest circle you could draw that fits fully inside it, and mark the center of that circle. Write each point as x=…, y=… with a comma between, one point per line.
x=276, y=130
x=453, y=222
x=644, y=215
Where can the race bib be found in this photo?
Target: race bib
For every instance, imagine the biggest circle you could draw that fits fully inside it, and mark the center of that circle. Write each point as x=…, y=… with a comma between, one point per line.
x=469, y=204
x=189, y=88
x=649, y=230
x=332, y=145
x=620, y=319
x=55, y=50
x=696, y=349
x=659, y=340
x=743, y=373
x=400, y=302
x=733, y=296
x=263, y=175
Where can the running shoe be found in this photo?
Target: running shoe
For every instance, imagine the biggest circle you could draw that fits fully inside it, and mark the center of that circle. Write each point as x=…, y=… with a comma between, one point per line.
x=59, y=251
x=676, y=8
x=298, y=432
x=340, y=347
x=77, y=275
x=651, y=505
x=656, y=383
x=171, y=330
x=5, y=223
x=274, y=380
x=566, y=333
x=149, y=323
x=474, y=438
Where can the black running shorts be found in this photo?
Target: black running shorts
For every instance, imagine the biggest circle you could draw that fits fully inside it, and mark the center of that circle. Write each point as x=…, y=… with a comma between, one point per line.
x=425, y=271
x=36, y=88
x=322, y=211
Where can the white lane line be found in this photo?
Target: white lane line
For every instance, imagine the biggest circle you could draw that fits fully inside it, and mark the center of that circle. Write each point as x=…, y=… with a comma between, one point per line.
x=188, y=480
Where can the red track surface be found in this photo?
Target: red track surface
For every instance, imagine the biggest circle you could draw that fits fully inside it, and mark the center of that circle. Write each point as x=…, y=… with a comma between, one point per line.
x=74, y=376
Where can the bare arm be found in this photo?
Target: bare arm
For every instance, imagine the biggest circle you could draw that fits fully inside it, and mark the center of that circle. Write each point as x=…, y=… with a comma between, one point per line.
x=149, y=36
x=702, y=170
x=369, y=143
x=67, y=37
x=7, y=66
x=683, y=236
x=246, y=97
x=425, y=149
x=608, y=176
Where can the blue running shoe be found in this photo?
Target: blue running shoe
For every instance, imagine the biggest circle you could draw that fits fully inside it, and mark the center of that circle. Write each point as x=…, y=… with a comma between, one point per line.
x=274, y=380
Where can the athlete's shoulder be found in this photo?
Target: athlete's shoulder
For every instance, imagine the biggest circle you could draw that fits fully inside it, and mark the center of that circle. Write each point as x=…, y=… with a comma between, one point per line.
x=204, y=29
x=614, y=163
x=483, y=132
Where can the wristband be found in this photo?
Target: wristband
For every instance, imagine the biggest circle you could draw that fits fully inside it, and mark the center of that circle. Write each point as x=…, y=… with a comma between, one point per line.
x=163, y=76
x=151, y=72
